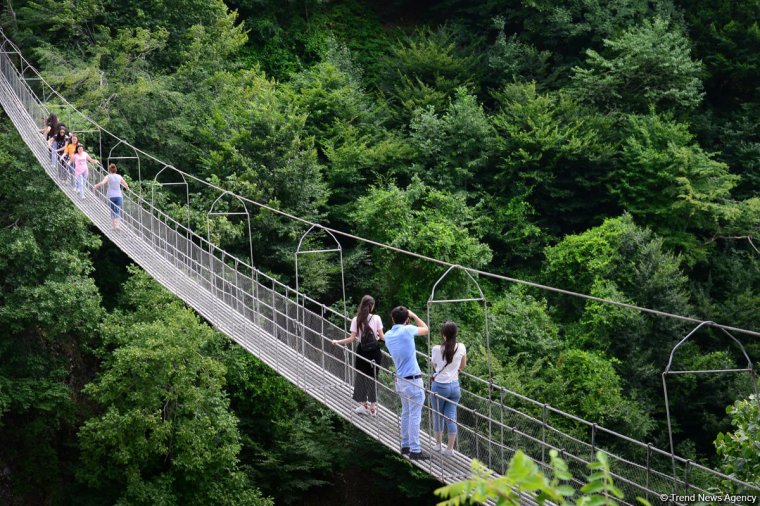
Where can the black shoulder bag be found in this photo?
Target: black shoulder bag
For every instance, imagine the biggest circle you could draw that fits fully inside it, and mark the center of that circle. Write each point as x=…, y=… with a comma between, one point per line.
x=369, y=340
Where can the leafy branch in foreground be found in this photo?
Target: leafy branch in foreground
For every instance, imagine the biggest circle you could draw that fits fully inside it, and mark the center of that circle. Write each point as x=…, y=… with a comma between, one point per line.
x=523, y=477
x=740, y=449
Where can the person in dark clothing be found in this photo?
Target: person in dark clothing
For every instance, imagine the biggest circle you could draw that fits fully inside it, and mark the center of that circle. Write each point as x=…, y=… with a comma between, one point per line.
x=364, y=326
x=57, y=146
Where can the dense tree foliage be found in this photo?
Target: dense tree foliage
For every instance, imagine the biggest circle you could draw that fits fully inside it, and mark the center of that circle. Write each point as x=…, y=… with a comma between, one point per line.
x=49, y=316
x=608, y=147
x=740, y=449
x=647, y=67
x=165, y=434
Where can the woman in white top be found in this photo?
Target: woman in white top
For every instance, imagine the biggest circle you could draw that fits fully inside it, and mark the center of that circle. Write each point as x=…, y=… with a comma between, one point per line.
x=115, y=197
x=448, y=359
x=368, y=329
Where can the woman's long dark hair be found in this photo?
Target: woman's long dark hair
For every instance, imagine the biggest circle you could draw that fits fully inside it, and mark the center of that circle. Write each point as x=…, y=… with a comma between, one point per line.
x=449, y=331
x=362, y=313
x=60, y=137
x=52, y=120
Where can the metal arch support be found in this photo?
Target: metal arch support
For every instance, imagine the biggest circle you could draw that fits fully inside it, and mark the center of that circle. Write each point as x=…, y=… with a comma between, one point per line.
x=183, y=183
x=100, y=143
x=301, y=298
x=466, y=271
x=482, y=298
x=38, y=114
x=749, y=369
x=245, y=212
x=338, y=249
x=68, y=108
x=95, y=128
x=136, y=157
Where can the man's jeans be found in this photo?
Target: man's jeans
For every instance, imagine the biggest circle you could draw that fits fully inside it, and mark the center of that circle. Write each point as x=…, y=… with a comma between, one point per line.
x=412, y=393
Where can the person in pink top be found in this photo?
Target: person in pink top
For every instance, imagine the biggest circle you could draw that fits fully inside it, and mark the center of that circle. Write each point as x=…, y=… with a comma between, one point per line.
x=81, y=172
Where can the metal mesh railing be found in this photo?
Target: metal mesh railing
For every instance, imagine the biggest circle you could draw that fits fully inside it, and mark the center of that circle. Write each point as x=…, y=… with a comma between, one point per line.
x=294, y=333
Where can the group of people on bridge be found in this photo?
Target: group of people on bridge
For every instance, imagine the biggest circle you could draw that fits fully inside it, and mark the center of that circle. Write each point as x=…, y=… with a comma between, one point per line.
x=447, y=359
x=68, y=156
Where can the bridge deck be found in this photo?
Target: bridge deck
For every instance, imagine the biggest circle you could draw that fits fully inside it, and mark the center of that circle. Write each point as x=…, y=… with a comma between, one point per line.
x=332, y=391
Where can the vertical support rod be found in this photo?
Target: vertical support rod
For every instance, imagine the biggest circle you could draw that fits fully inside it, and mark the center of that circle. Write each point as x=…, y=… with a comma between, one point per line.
x=275, y=329
x=238, y=297
x=256, y=307
x=543, y=432
x=670, y=431
x=322, y=336
x=501, y=438
x=649, y=467
x=490, y=422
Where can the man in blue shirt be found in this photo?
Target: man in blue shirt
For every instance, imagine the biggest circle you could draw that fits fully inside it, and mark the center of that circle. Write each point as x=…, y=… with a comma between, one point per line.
x=400, y=342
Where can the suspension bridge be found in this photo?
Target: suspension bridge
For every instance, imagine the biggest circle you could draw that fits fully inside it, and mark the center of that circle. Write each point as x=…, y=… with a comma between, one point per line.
x=291, y=332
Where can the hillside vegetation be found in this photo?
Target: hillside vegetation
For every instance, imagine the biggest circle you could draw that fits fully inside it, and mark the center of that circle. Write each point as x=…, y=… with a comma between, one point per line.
x=608, y=147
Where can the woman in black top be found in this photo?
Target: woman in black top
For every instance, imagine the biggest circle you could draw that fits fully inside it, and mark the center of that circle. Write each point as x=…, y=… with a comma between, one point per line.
x=56, y=148
x=49, y=129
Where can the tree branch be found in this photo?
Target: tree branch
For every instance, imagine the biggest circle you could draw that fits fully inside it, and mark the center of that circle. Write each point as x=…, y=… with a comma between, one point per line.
x=735, y=238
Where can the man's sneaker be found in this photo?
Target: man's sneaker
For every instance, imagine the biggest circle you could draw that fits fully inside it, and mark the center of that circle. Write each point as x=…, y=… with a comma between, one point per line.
x=437, y=447
x=361, y=410
x=419, y=456
x=448, y=452
x=405, y=450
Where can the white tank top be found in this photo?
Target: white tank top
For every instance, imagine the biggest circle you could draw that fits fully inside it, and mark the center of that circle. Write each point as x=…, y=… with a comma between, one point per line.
x=446, y=373
x=114, y=185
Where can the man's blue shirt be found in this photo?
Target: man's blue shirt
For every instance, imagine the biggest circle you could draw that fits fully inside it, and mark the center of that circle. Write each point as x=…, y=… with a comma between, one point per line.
x=400, y=342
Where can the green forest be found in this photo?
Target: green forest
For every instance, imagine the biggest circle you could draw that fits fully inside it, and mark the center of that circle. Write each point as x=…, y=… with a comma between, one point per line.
x=607, y=147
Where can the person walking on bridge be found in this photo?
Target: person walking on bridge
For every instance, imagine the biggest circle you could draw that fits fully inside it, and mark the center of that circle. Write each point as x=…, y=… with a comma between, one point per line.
x=81, y=172
x=115, y=197
x=57, y=146
x=49, y=128
x=409, y=385
x=448, y=360
x=368, y=329
x=68, y=155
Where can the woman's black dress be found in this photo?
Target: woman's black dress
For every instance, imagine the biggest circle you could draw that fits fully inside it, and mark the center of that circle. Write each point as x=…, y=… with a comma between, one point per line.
x=366, y=374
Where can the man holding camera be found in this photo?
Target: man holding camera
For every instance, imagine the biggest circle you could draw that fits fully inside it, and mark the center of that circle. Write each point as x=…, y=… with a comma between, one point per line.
x=409, y=385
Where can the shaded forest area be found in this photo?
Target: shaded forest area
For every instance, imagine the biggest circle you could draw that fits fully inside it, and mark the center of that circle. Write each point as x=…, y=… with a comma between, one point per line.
x=606, y=147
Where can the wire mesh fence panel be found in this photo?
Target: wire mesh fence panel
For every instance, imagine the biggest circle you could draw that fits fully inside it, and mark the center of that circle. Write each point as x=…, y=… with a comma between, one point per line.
x=265, y=308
